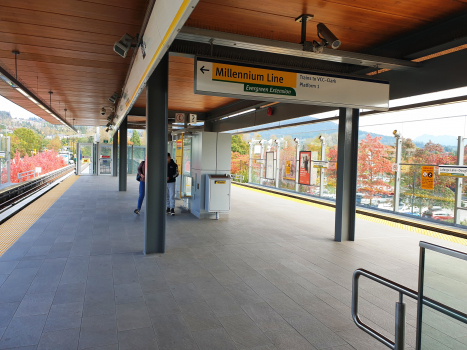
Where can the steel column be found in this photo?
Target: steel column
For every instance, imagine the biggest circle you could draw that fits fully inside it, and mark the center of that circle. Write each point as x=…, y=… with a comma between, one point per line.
x=8, y=156
x=156, y=155
x=278, y=163
x=321, y=170
x=115, y=154
x=346, y=183
x=249, y=161
x=397, y=174
x=459, y=182
x=122, y=161
x=297, y=166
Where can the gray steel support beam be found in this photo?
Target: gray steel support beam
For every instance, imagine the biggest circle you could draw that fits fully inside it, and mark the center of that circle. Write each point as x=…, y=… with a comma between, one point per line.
x=115, y=154
x=459, y=181
x=122, y=161
x=156, y=155
x=346, y=184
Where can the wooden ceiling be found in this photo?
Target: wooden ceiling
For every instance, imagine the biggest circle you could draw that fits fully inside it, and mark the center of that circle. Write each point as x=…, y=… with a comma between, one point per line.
x=66, y=45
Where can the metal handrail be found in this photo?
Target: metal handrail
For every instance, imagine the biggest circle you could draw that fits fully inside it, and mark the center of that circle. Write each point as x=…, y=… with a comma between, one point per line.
x=399, y=341
x=26, y=174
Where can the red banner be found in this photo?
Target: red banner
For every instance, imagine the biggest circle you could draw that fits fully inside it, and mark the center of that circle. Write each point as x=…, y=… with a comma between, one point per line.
x=305, y=166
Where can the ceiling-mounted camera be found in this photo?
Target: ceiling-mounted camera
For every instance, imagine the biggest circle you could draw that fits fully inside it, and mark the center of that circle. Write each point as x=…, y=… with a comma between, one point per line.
x=324, y=33
x=114, y=97
x=124, y=45
x=103, y=111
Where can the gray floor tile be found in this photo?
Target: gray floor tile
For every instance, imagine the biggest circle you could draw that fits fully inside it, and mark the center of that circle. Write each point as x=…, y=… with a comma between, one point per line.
x=161, y=303
x=243, y=294
x=214, y=339
x=186, y=293
x=224, y=304
x=131, y=316
x=35, y=304
x=172, y=332
x=128, y=293
x=244, y=331
x=140, y=339
x=7, y=310
x=199, y=316
x=64, y=316
x=260, y=285
x=23, y=331
x=70, y=293
x=289, y=340
x=265, y=317
x=63, y=340
x=283, y=305
x=98, y=331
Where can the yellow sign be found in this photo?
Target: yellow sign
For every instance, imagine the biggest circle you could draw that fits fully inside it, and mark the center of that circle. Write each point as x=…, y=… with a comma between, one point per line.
x=241, y=74
x=287, y=168
x=219, y=182
x=427, y=179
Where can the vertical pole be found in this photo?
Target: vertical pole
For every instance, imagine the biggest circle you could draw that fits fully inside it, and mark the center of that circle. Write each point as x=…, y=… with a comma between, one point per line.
x=278, y=162
x=156, y=153
x=8, y=150
x=122, y=166
x=397, y=174
x=297, y=166
x=346, y=183
x=115, y=154
x=458, y=192
x=421, y=284
x=400, y=325
x=249, y=161
x=321, y=170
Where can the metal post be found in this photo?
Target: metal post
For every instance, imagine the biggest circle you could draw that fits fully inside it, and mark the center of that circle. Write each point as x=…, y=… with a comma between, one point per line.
x=122, y=166
x=400, y=324
x=115, y=154
x=346, y=183
x=8, y=155
x=132, y=158
x=250, y=161
x=458, y=192
x=262, y=162
x=397, y=174
x=297, y=166
x=156, y=154
x=321, y=170
x=278, y=162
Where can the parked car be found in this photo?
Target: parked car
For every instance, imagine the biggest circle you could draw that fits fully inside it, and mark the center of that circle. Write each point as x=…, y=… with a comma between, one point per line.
x=438, y=215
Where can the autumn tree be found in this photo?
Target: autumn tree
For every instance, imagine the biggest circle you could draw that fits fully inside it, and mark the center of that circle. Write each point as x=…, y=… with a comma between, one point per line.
x=239, y=145
x=373, y=165
x=55, y=144
x=24, y=141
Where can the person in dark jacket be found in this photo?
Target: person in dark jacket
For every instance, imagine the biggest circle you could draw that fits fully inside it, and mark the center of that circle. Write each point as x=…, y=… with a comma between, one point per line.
x=142, y=185
x=172, y=173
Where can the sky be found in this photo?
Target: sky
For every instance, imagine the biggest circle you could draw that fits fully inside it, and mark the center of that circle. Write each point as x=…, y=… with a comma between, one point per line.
x=450, y=120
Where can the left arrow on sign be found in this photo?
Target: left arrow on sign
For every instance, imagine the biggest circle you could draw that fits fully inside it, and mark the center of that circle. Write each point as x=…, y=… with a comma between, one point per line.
x=202, y=69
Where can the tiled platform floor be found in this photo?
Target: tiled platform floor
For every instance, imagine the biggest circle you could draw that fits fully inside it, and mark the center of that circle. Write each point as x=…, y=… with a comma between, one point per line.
x=269, y=277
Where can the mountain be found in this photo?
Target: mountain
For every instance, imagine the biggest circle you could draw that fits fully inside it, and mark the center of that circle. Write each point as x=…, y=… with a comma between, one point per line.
x=445, y=140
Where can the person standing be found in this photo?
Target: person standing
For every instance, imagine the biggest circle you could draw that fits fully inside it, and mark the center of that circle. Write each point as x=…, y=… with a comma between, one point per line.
x=142, y=185
x=172, y=173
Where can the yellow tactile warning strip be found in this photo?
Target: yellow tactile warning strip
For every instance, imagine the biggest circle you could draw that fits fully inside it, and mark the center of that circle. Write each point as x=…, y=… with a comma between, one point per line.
x=18, y=224
x=410, y=228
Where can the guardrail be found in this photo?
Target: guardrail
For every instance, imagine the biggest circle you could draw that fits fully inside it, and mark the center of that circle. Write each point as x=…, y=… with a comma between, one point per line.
x=399, y=339
x=237, y=177
x=26, y=174
x=10, y=193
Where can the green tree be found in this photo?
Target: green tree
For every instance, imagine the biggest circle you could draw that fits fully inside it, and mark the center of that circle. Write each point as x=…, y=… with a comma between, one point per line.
x=25, y=141
x=135, y=138
x=55, y=144
x=239, y=145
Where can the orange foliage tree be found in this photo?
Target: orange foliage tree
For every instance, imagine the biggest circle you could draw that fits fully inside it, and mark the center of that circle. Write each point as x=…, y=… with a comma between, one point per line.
x=47, y=161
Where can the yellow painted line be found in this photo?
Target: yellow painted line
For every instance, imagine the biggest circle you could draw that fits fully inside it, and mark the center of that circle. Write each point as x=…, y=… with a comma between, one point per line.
x=18, y=224
x=410, y=228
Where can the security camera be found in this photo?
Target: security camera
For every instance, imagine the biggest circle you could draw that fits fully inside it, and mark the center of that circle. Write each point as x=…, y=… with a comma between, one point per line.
x=321, y=138
x=107, y=130
x=122, y=46
x=396, y=133
x=327, y=36
x=113, y=98
x=103, y=111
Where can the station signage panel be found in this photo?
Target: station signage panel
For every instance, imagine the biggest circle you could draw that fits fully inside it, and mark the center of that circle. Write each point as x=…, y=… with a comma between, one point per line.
x=224, y=78
x=453, y=170
x=320, y=164
x=304, y=175
x=428, y=177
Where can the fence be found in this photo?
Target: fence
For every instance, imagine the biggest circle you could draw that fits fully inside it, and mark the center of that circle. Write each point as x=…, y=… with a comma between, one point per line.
x=389, y=177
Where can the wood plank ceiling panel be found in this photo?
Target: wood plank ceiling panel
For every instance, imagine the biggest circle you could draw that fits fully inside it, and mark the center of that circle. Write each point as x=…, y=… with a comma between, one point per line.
x=66, y=46
x=358, y=23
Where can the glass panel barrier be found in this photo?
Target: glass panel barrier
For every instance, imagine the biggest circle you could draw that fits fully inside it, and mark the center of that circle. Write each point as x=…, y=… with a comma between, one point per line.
x=444, y=281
